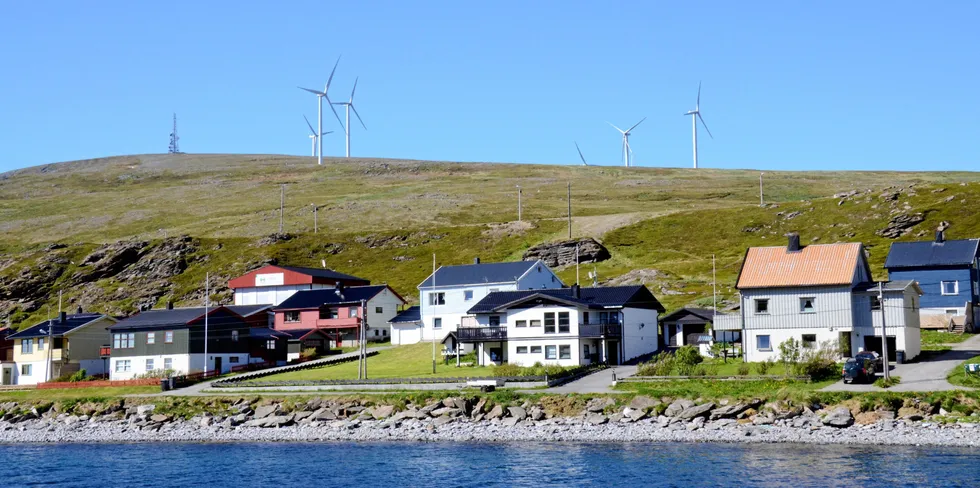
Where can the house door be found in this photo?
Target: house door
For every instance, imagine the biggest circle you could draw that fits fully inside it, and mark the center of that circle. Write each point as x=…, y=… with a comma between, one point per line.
x=586, y=356
x=8, y=376
x=217, y=364
x=612, y=352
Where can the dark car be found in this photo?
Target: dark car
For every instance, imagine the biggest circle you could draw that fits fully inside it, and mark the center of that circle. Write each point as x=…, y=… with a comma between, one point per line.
x=856, y=370
x=873, y=357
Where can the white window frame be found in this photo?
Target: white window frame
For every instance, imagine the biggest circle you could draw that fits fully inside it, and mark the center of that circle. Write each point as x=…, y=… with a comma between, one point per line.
x=27, y=346
x=270, y=344
x=379, y=310
x=352, y=313
x=123, y=366
x=875, y=302
x=150, y=363
x=493, y=318
x=26, y=367
x=151, y=337
x=808, y=344
x=551, y=352
x=565, y=351
x=521, y=349
x=168, y=364
x=40, y=343
x=757, y=301
x=956, y=288
x=168, y=337
x=813, y=304
x=535, y=350
x=437, y=298
x=758, y=339
x=951, y=311
x=291, y=316
x=467, y=295
x=234, y=336
x=520, y=323
x=437, y=322
x=233, y=359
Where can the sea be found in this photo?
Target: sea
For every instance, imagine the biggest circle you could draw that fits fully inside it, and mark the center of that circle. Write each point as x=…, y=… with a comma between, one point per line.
x=388, y=465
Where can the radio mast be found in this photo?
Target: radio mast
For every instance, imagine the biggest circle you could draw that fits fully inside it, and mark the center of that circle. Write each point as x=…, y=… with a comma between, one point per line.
x=174, y=148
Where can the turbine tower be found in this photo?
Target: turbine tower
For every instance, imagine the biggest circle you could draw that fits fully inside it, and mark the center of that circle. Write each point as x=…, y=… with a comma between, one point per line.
x=627, y=151
x=349, y=104
x=313, y=134
x=320, y=95
x=695, y=115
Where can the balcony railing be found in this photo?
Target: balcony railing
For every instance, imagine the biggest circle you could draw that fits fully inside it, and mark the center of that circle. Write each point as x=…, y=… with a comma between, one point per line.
x=481, y=334
x=600, y=330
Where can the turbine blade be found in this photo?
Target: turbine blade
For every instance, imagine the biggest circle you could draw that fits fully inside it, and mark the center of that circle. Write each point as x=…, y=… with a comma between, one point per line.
x=705, y=126
x=617, y=128
x=353, y=90
x=327, y=132
x=309, y=125
x=315, y=92
x=636, y=124
x=699, y=95
x=358, y=116
x=331, y=75
x=580, y=154
x=335, y=114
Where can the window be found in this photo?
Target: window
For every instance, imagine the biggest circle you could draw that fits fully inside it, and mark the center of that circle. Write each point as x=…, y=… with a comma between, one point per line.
x=608, y=317
x=328, y=313
x=123, y=366
x=951, y=288
x=550, y=352
x=379, y=310
x=549, y=323
x=806, y=305
x=762, y=343
x=809, y=341
x=951, y=311
x=563, y=322
x=351, y=312
x=535, y=349
x=585, y=351
x=149, y=365
x=762, y=306
x=377, y=332
x=270, y=344
x=234, y=336
x=123, y=341
x=436, y=323
x=521, y=349
x=151, y=337
x=168, y=337
x=437, y=298
x=233, y=359
x=168, y=364
x=40, y=344
x=564, y=352
x=520, y=323
x=535, y=323
x=291, y=316
x=384, y=332
x=585, y=317
x=25, y=369
x=494, y=321
x=875, y=303
x=467, y=295
x=494, y=290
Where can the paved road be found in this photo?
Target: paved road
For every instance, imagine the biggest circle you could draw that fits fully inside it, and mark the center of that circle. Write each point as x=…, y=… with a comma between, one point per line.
x=598, y=382
x=926, y=375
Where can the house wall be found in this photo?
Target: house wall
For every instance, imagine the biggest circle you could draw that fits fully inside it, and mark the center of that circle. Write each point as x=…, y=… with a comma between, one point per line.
x=832, y=308
x=529, y=359
x=456, y=306
x=39, y=371
x=273, y=295
x=778, y=336
x=406, y=333
x=901, y=310
x=539, y=278
x=389, y=302
x=930, y=280
x=182, y=364
x=83, y=344
x=639, y=332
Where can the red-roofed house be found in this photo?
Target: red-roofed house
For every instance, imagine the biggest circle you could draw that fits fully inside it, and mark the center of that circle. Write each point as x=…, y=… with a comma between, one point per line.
x=273, y=284
x=819, y=294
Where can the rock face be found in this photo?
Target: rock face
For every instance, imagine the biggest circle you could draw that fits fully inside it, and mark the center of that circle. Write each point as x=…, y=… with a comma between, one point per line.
x=562, y=253
x=900, y=225
x=840, y=417
x=109, y=260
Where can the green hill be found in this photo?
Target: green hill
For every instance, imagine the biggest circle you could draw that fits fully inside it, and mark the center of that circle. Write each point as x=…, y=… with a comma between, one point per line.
x=107, y=232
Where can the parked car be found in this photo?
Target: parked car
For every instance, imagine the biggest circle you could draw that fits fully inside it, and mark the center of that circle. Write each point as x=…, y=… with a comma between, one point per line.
x=873, y=357
x=856, y=370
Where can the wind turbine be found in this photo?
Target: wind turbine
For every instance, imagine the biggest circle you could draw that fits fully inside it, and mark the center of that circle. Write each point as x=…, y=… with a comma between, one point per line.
x=313, y=134
x=320, y=95
x=627, y=151
x=580, y=154
x=695, y=115
x=349, y=104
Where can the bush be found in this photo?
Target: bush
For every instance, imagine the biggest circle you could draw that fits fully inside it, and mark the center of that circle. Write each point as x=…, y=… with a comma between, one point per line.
x=743, y=369
x=820, y=363
x=789, y=354
x=79, y=375
x=309, y=353
x=763, y=367
x=506, y=370
x=892, y=381
x=659, y=365
x=688, y=355
x=157, y=373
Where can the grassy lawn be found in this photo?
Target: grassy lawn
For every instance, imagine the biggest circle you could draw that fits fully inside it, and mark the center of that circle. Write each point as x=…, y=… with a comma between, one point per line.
x=714, y=389
x=399, y=362
x=75, y=393
x=936, y=340
x=959, y=377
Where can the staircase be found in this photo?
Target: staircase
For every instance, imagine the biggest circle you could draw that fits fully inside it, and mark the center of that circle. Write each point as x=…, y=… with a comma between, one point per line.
x=957, y=327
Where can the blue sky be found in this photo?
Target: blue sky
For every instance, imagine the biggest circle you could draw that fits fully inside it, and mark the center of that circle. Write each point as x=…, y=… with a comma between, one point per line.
x=786, y=85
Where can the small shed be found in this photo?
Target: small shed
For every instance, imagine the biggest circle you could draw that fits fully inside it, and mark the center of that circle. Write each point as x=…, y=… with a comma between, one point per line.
x=684, y=326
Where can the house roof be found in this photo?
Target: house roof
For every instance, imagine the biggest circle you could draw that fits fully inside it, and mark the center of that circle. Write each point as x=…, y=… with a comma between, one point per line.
x=813, y=265
x=895, y=285
x=294, y=275
x=300, y=334
x=175, y=317
x=267, y=333
x=58, y=328
x=690, y=315
x=321, y=273
x=478, y=274
x=923, y=254
x=409, y=315
x=6, y=331
x=593, y=298
x=248, y=310
x=310, y=299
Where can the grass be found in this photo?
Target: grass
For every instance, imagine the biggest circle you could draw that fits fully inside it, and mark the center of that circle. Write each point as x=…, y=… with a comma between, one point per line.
x=713, y=389
x=936, y=340
x=960, y=377
x=409, y=361
x=890, y=382
x=93, y=394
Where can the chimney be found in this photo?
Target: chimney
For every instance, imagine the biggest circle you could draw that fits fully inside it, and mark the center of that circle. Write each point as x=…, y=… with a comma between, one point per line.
x=576, y=291
x=794, y=242
x=476, y=260
x=63, y=317
x=170, y=305
x=940, y=236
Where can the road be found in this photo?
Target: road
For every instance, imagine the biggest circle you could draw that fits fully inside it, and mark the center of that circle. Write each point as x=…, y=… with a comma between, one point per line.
x=926, y=375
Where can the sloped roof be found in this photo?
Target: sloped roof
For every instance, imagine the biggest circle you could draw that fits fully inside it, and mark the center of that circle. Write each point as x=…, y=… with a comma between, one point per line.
x=478, y=274
x=961, y=252
x=594, y=298
x=248, y=310
x=894, y=285
x=309, y=299
x=321, y=273
x=266, y=333
x=409, y=315
x=813, y=265
x=699, y=315
x=176, y=317
x=300, y=334
x=58, y=328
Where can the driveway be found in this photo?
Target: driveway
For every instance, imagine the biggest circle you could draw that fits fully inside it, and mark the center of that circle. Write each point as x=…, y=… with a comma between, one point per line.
x=598, y=382
x=925, y=375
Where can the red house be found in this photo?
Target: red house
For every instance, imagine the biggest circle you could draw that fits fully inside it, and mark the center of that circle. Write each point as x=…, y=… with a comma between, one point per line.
x=339, y=312
x=6, y=356
x=272, y=284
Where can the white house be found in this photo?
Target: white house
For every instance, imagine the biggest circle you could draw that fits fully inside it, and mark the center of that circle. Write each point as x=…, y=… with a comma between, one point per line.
x=447, y=295
x=568, y=326
x=815, y=294
x=273, y=284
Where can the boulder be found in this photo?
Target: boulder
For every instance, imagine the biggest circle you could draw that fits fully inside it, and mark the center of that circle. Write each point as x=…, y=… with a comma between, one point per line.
x=496, y=412
x=439, y=412
x=596, y=419
x=597, y=405
x=145, y=409
x=562, y=253
x=900, y=225
x=677, y=407
x=839, y=417
x=478, y=408
x=510, y=421
x=160, y=418
x=517, y=412
x=324, y=414
x=643, y=402
x=696, y=411
x=383, y=411
x=728, y=412
x=439, y=422
x=635, y=414
x=426, y=410
x=537, y=414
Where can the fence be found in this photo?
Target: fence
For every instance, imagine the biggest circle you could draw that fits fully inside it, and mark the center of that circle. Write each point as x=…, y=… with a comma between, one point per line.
x=97, y=384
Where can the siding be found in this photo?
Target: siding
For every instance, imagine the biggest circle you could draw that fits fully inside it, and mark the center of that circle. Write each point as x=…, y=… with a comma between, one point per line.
x=833, y=308
x=929, y=280
x=180, y=345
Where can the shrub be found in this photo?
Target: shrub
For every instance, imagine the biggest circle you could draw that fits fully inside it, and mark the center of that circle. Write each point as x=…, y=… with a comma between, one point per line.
x=507, y=370
x=819, y=363
x=659, y=365
x=789, y=354
x=890, y=382
x=763, y=367
x=157, y=373
x=79, y=375
x=743, y=369
x=688, y=355
x=309, y=353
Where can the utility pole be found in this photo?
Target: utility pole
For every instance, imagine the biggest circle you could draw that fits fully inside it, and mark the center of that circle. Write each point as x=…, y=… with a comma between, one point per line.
x=761, y=202
x=207, y=297
x=433, y=304
x=576, y=264
x=518, y=203
x=314, y=216
x=569, y=198
x=362, y=344
x=884, y=332
x=282, y=202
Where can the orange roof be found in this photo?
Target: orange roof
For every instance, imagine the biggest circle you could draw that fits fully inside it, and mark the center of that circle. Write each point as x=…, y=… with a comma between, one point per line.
x=814, y=265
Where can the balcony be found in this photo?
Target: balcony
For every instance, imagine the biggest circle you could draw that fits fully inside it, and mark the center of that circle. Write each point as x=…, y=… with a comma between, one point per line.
x=600, y=330
x=339, y=323
x=481, y=334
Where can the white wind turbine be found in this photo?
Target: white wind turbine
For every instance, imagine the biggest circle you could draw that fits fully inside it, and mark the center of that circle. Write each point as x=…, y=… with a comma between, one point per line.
x=627, y=151
x=313, y=135
x=695, y=115
x=349, y=104
x=320, y=95
x=580, y=156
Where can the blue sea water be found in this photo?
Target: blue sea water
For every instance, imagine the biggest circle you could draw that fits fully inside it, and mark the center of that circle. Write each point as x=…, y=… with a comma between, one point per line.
x=482, y=465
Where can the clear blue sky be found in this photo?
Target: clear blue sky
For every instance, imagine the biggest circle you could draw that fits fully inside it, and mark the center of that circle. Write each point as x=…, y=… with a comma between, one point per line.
x=787, y=85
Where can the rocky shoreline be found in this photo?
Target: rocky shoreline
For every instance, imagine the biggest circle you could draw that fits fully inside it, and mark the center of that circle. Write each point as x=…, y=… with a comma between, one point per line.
x=473, y=420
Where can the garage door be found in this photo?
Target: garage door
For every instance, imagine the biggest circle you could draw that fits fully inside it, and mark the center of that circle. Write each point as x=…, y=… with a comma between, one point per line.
x=873, y=343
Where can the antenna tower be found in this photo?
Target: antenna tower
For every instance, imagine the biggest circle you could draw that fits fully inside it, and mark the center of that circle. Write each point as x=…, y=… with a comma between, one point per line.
x=174, y=148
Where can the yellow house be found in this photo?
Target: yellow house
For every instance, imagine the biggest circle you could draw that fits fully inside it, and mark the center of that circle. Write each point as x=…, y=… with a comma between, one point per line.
x=68, y=344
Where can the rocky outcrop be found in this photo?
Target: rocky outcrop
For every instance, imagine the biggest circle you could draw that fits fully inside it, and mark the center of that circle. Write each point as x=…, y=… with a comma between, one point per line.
x=108, y=260
x=562, y=253
x=900, y=225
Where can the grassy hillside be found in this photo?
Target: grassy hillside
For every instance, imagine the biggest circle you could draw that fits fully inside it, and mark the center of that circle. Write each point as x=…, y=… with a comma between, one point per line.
x=384, y=219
